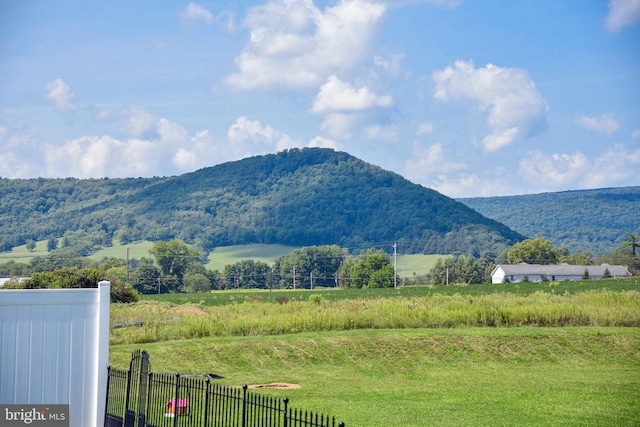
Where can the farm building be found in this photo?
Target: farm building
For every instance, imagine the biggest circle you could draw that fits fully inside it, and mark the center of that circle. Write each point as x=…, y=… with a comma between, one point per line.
x=537, y=273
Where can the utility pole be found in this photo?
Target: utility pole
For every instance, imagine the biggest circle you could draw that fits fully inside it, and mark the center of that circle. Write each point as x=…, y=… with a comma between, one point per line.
x=395, y=265
x=311, y=280
x=128, y=281
x=294, y=277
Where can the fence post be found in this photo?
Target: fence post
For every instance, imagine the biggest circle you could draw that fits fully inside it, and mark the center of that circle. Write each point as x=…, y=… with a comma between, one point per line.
x=128, y=420
x=244, y=405
x=175, y=402
x=106, y=400
x=206, y=403
x=286, y=411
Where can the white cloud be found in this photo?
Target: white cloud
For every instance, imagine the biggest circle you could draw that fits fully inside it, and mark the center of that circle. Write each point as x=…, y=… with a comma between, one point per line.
x=387, y=133
x=606, y=123
x=197, y=13
x=17, y=157
x=622, y=13
x=553, y=171
x=424, y=128
x=618, y=166
x=295, y=44
x=138, y=122
x=338, y=125
x=429, y=161
x=61, y=95
x=336, y=95
x=515, y=107
x=636, y=133
x=245, y=131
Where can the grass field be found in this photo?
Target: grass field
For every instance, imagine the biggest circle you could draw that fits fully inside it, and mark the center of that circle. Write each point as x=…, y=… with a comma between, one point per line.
x=450, y=377
x=357, y=355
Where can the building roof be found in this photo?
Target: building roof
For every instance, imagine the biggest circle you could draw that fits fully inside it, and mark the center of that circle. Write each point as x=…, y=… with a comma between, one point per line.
x=562, y=269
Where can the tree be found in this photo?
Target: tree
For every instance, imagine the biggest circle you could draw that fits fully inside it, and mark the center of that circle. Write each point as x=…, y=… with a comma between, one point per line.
x=247, y=274
x=372, y=270
x=533, y=251
x=146, y=278
x=632, y=242
x=174, y=259
x=31, y=245
x=458, y=269
x=585, y=274
x=318, y=262
x=196, y=282
x=52, y=244
x=606, y=274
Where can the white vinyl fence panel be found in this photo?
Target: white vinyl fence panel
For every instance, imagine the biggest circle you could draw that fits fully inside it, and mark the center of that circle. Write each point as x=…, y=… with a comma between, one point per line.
x=54, y=349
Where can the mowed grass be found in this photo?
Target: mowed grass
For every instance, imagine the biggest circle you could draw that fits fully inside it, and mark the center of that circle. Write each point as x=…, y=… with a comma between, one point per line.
x=222, y=256
x=358, y=355
x=418, y=377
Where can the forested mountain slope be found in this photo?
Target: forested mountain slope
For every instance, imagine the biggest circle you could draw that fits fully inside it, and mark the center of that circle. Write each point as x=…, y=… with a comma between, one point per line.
x=593, y=220
x=297, y=197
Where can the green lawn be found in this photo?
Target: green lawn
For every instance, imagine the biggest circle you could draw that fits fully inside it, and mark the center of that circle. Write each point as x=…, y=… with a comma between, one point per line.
x=450, y=377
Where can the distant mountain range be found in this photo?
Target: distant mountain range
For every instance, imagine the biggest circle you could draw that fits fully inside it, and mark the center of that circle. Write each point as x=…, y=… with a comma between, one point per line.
x=297, y=197
x=593, y=220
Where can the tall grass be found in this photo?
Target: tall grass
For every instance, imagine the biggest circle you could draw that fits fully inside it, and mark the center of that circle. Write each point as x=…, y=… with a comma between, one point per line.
x=165, y=321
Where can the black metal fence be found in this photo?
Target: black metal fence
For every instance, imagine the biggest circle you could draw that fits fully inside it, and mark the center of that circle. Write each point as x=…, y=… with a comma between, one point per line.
x=140, y=398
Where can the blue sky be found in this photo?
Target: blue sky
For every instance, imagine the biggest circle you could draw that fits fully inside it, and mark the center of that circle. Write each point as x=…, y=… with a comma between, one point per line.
x=468, y=97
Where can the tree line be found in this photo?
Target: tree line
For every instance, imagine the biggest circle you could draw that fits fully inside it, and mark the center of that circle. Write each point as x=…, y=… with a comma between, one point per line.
x=174, y=266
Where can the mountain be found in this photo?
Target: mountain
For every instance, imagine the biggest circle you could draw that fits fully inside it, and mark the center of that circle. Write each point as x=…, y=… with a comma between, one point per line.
x=296, y=197
x=592, y=220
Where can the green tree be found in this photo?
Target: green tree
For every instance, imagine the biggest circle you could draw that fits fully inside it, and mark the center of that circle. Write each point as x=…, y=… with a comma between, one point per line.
x=146, y=278
x=585, y=274
x=31, y=245
x=73, y=277
x=533, y=251
x=632, y=243
x=317, y=263
x=52, y=244
x=174, y=259
x=196, y=282
x=460, y=269
x=372, y=270
x=247, y=274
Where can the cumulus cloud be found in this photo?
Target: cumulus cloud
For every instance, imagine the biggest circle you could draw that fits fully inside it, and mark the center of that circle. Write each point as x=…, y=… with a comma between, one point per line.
x=606, y=123
x=17, y=150
x=138, y=122
x=622, y=13
x=515, y=107
x=336, y=95
x=293, y=43
x=197, y=13
x=245, y=131
x=552, y=171
x=338, y=125
x=430, y=160
x=617, y=166
x=61, y=95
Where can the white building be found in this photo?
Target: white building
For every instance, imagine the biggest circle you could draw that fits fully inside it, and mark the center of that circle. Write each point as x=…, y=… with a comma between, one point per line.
x=555, y=273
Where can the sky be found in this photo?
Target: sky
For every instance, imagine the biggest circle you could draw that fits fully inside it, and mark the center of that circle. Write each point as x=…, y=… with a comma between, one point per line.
x=469, y=97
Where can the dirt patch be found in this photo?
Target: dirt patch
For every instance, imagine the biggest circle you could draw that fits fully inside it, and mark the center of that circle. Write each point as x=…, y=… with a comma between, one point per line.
x=281, y=386
x=191, y=309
